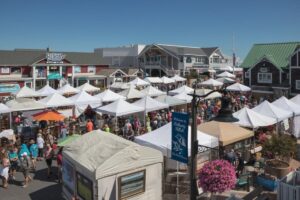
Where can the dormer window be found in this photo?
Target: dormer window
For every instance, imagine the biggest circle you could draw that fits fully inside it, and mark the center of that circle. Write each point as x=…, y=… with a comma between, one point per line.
x=188, y=59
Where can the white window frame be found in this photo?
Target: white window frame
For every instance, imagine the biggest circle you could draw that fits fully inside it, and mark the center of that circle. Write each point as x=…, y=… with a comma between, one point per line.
x=297, y=84
x=77, y=69
x=247, y=74
x=91, y=69
x=5, y=70
x=262, y=80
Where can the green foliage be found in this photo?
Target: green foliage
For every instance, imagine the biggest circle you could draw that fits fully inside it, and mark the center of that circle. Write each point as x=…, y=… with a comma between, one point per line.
x=280, y=146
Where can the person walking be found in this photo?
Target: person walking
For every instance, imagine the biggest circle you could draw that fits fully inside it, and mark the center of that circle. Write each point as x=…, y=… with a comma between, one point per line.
x=13, y=159
x=40, y=143
x=25, y=165
x=33, y=152
x=48, y=158
x=4, y=168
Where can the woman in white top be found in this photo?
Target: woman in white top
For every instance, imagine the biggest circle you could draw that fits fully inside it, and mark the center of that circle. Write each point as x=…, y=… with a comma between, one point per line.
x=40, y=143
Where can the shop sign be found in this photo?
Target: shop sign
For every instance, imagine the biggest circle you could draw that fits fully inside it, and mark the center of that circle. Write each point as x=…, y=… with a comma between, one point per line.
x=54, y=76
x=9, y=88
x=55, y=57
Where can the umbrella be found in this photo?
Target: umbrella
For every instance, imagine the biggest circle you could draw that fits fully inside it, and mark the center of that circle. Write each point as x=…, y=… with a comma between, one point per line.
x=64, y=141
x=48, y=116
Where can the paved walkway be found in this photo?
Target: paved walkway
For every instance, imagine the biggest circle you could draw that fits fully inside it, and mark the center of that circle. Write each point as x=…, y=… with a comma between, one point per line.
x=41, y=188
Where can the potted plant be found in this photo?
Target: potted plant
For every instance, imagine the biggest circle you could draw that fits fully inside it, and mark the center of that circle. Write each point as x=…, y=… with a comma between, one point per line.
x=278, y=150
x=217, y=176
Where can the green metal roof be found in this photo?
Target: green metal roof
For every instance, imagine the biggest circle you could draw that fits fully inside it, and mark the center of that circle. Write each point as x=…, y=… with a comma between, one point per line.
x=277, y=53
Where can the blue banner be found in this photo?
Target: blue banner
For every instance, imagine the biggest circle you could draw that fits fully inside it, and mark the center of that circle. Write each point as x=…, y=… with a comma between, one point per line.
x=180, y=126
x=9, y=88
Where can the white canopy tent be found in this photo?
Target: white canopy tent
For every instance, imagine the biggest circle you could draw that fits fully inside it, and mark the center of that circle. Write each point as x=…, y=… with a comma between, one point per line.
x=226, y=68
x=26, y=92
x=101, y=161
x=178, y=78
x=56, y=100
x=109, y=96
x=138, y=82
x=285, y=104
x=182, y=89
x=296, y=99
x=153, y=80
x=148, y=104
x=185, y=97
x=270, y=110
x=132, y=93
x=4, y=108
x=23, y=104
x=84, y=99
x=225, y=80
x=237, y=87
x=171, y=101
x=119, y=85
x=88, y=88
x=46, y=90
x=226, y=74
x=67, y=89
x=161, y=139
x=119, y=108
x=166, y=80
x=204, y=91
x=211, y=82
x=152, y=91
x=252, y=119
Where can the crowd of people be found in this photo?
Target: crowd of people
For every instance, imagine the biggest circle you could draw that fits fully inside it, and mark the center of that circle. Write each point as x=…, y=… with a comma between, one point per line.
x=24, y=156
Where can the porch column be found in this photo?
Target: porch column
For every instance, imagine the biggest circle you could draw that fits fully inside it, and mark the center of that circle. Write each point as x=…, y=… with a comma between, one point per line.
x=60, y=74
x=47, y=74
x=72, y=78
x=33, y=77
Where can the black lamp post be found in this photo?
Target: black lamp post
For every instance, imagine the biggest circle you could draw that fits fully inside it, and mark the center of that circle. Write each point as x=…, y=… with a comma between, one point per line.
x=225, y=115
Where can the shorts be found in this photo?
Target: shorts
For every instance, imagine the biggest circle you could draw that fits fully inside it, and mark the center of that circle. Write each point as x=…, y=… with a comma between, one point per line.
x=25, y=171
x=4, y=172
x=41, y=152
x=49, y=162
x=14, y=165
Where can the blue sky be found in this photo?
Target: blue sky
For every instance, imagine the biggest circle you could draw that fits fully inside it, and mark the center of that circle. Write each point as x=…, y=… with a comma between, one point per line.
x=78, y=25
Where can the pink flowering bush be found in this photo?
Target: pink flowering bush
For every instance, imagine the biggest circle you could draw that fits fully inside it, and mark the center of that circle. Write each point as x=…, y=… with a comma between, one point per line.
x=217, y=176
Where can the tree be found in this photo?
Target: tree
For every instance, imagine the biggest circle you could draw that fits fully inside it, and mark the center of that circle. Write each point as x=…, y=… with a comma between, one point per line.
x=279, y=146
x=217, y=176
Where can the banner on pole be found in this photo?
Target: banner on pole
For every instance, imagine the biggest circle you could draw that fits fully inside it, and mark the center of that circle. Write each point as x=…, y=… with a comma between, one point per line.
x=180, y=124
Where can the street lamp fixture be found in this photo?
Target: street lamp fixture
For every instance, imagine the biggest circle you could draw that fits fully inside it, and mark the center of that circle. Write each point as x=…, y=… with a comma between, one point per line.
x=225, y=115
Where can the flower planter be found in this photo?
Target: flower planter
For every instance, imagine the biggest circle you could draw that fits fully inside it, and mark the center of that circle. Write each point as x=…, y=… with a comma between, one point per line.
x=277, y=168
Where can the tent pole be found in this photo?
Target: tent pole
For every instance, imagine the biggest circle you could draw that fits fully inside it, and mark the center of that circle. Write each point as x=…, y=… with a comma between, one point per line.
x=177, y=181
x=10, y=120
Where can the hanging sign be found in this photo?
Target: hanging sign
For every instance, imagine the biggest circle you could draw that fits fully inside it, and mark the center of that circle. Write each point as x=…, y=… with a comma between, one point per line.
x=180, y=124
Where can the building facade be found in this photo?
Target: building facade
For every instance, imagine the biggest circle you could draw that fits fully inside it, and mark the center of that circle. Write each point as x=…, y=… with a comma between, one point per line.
x=121, y=57
x=36, y=68
x=272, y=69
x=161, y=59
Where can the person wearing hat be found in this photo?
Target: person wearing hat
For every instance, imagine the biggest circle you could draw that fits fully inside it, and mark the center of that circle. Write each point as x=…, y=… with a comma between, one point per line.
x=24, y=163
